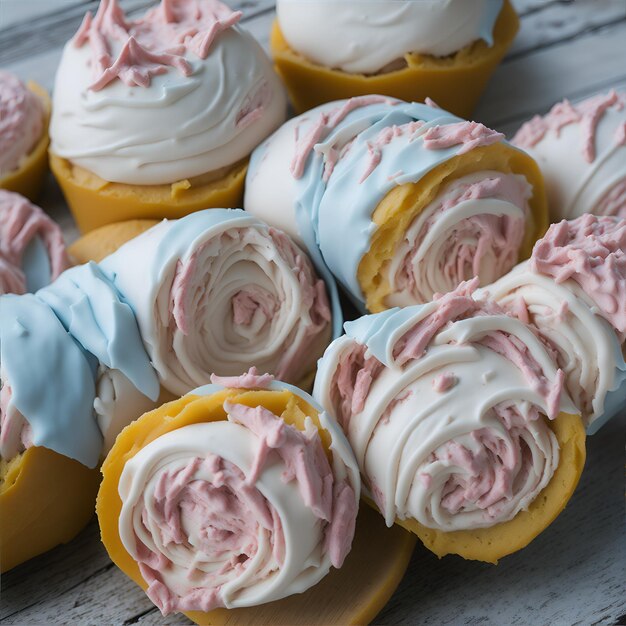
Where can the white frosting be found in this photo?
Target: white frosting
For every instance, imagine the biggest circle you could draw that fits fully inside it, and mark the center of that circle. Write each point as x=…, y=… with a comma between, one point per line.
x=585, y=343
x=394, y=436
x=365, y=36
x=176, y=128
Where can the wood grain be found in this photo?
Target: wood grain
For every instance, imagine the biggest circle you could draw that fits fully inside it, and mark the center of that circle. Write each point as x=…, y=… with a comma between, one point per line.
x=574, y=572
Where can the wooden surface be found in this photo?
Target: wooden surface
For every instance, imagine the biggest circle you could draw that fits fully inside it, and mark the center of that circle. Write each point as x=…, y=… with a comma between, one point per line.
x=575, y=572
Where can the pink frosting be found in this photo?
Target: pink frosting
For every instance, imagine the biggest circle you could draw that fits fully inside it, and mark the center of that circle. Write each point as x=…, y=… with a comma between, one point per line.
x=444, y=382
x=614, y=201
x=253, y=301
x=475, y=237
x=230, y=509
x=326, y=122
x=468, y=135
x=587, y=113
x=151, y=45
x=21, y=122
x=16, y=434
x=591, y=251
x=250, y=380
x=20, y=222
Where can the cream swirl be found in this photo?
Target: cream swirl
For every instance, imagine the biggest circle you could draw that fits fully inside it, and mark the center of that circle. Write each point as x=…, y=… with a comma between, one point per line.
x=21, y=122
x=219, y=290
x=378, y=33
x=581, y=149
x=445, y=406
x=474, y=227
x=240, y=512
x=32, y=250
x=185, y=61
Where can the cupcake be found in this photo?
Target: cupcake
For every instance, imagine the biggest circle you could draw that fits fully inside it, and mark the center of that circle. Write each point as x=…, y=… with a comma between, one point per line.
x=156, y=117
x=399, y=200
x=24, y=115
x=32, y=250
x=409, y=50
x=581, y=150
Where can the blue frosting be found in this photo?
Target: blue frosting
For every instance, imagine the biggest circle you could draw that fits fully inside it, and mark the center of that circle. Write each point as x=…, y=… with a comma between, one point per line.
x=36, y=265
x=488, y=21
x=52, y=381
x=92, y=311
x=182, y=234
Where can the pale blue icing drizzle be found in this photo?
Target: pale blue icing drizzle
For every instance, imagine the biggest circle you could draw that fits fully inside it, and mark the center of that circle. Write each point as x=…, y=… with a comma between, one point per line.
x=186, y=230
x=36, y=265
x=92, y=311
x=52, y=381
x=489, y=19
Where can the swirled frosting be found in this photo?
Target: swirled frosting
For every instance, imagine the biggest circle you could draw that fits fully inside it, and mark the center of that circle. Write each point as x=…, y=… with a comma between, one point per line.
x=351, y=154
x=238, y=512
x=21, y=122
x=32, y=250
x=73, y=367
x=581, y=149
x=178, y=93
x=218, y=290
x=377, y=34
x=446, y=407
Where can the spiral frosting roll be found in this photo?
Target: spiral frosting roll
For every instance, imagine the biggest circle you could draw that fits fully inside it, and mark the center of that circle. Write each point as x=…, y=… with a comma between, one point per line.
x=73, y=373
x=218, y=290
x=155, y=117
x=443, y=49
x=459, y=422
x=581, y=150
x=240, y=493
x=32, y=250
x=400, y=201
x=573, y=291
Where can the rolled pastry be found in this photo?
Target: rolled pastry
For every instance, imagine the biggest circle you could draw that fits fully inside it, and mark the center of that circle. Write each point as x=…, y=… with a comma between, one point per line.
x=400, y=201
x=73, y=372
x=240, y=493
x=218, y=290
x=459, y=422
x=409, y=50
x=32, y=250
x=581, y=150
x=573, y=291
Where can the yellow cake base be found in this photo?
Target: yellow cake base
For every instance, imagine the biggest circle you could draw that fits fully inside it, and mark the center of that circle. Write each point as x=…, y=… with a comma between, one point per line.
x=491, y=544
x=397, y=211
x=455, y=83
x=45, y=499
x=95, y=202
x=29, y=177
x=352, y=595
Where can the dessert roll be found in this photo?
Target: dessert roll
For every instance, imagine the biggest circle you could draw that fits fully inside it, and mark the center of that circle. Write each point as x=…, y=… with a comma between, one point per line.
x=573, y=291
x=24, y=116
x=73, y=373
x=156, y=117
x=399, y=200
x=218, y=290
x=409, y=50
x=32, y=249
x=581, y=150
x=459, y=422
x=240, y=493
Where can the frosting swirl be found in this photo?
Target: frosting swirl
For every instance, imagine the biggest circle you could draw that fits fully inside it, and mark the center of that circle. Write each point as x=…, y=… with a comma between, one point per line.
x=380, y=33
x=32, y=250
x=446, y=408
x=21, y=122
x=121, y=83
x=238, y=512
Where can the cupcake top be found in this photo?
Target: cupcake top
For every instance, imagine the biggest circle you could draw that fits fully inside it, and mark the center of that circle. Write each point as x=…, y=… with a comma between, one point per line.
x=21, y=122
x=178, y=93
x=378, y=34
x=581, y=149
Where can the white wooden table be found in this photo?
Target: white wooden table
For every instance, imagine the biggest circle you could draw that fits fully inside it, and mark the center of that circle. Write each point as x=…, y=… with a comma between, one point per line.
x=575, y=572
